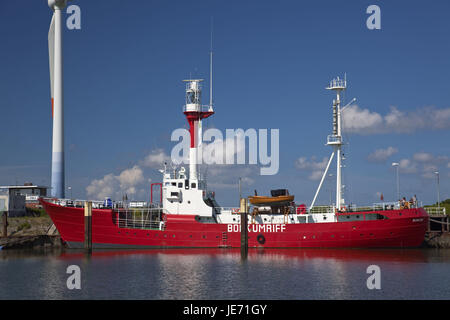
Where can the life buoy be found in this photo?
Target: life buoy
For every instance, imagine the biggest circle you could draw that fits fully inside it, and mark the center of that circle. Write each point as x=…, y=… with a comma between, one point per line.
x=301, y=209
x=343, y=209
x=235, y=211
x=261, y=239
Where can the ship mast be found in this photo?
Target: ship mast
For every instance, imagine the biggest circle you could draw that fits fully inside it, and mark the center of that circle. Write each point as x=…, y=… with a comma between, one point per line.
x=335, y=140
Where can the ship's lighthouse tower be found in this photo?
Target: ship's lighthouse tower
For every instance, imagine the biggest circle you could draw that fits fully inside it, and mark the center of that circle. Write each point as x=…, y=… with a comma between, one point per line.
x=195, y=112
x=335, y=139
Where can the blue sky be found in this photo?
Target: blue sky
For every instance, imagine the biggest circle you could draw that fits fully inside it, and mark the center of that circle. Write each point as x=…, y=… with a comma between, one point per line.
x=272, y=60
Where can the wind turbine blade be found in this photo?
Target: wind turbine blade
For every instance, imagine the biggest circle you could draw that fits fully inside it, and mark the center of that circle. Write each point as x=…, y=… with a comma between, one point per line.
x=51, y=53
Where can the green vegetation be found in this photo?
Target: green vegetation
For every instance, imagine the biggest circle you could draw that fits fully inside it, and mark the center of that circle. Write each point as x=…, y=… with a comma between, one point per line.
x=24, y=226
x=36, y=212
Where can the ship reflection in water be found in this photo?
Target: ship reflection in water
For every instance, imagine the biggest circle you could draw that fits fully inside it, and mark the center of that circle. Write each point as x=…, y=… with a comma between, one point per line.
x=222, y=274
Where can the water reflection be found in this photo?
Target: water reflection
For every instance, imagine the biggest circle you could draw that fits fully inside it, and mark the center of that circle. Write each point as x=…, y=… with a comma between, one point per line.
x=221, y=274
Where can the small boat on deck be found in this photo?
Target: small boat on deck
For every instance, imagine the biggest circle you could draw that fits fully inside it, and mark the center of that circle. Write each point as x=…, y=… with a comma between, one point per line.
x=270, y=201
x=279, y=197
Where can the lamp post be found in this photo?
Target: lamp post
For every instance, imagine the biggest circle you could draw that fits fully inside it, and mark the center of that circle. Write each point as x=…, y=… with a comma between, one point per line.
x=396, y=165
x=70, y=189
x=437, y=175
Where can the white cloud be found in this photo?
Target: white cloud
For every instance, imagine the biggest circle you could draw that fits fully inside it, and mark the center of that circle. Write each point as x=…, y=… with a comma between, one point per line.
x=407, y=166
x=363, y=121
x=424, y=164
x=316, y=167
x=227, y=176
x=381, y=155
x=423, y=157
x=156, y=159
x=102, y=188
x=115, y=186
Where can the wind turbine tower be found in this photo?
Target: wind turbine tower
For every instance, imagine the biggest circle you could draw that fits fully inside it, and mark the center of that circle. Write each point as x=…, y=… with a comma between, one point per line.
x=56, y=86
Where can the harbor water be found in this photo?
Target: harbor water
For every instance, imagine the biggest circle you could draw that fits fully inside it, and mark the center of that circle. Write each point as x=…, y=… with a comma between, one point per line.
x=292, y=274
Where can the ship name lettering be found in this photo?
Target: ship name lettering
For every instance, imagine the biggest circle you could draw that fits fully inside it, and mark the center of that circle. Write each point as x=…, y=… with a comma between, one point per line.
x=258, y=228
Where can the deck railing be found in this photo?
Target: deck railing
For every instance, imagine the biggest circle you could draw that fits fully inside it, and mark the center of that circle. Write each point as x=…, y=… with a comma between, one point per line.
x=435, y=211
x=147, y=218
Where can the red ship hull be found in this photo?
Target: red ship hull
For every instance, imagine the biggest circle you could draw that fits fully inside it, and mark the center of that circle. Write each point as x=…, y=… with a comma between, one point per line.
x=399, y=228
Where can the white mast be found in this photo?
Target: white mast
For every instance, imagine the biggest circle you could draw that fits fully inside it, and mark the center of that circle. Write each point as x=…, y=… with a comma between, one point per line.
x=335, y=139
x=56, y=84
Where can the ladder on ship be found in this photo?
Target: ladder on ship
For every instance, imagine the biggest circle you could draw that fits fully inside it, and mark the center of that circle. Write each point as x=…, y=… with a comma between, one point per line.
x=224, y=240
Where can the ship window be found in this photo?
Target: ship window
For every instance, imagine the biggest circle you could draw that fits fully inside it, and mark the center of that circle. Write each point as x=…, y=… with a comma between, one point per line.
x=180, y=184
x=174, y=183
x=174, y=194
x=193, y=185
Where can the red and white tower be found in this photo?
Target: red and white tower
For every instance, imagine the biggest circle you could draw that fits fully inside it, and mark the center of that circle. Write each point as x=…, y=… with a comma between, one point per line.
x=195, y=112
